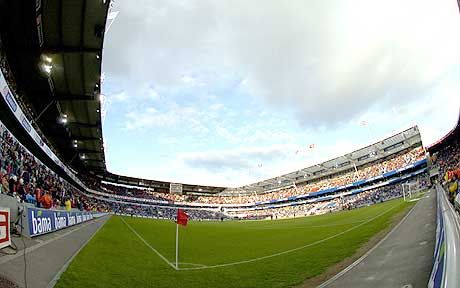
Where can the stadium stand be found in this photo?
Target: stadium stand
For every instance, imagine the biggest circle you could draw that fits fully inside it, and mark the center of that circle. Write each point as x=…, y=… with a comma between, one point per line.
x=445, y=172
x=143, y=210
x=374, y=169
x=445, y=155
x=348, y=202
x=28, y=180
x=314, y=206
x=449, y=167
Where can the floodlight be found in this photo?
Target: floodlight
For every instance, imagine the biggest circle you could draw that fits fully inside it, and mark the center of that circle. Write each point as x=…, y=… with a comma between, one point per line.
x=63, y=119
x=46, y=59
x=47, y=68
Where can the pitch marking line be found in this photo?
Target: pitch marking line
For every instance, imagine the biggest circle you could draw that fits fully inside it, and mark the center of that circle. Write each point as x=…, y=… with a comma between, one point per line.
x=359, y=260
x=294, y=249
x=263, y=257
x=192, y=264
x=311, y=226
x=56, y=277
x=148, y=245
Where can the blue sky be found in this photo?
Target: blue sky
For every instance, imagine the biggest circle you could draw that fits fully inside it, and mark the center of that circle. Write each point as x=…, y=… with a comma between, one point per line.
x=227, y=93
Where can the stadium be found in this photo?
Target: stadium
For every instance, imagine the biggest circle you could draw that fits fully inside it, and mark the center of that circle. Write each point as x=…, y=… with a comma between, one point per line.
x=270, y=209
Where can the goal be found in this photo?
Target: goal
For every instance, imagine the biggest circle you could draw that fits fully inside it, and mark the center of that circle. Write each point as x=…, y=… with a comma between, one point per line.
x=410, y=190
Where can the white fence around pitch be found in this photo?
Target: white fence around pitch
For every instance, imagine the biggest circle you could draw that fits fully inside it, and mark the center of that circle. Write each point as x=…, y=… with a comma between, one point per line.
x=445, y=272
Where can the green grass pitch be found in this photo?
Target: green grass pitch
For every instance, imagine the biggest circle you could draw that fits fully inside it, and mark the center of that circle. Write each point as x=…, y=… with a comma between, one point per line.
x=280, y=253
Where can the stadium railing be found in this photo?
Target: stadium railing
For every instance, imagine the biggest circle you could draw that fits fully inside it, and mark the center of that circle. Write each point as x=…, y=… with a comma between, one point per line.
x=447, y=250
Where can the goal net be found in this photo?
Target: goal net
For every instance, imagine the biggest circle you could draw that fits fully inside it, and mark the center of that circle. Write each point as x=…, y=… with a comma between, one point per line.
x=411, y=190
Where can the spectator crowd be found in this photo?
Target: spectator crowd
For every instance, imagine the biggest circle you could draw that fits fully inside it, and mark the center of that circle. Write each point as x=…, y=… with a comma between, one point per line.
x=366, y=198
x=24, y=177
x=448, y=160
x=374, y=169
x=164, y=212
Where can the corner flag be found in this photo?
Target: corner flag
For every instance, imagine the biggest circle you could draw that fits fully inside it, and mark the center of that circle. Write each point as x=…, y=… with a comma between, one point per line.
x=182, y=217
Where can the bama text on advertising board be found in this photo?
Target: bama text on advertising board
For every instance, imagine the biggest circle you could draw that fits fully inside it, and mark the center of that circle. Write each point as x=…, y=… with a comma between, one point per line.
x=43, y=221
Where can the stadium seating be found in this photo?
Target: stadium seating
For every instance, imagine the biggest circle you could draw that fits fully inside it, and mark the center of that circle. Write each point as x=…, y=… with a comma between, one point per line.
x=124, y=208
x=378, y=168
x=26, y=178
x=448, y=160
x=23, y=176
x=349, y=202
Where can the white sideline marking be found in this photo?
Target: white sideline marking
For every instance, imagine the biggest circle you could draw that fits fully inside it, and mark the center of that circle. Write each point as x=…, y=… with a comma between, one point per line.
x=291, y=250
x=308, y=226
x=56, y=277
x=360, y=259
x=148, y=245
x=337, y=224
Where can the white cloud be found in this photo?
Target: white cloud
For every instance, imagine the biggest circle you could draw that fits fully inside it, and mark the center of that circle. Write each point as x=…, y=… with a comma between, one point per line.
x=171, y=115
x=326, y=60
x=153, y=94
x=329, y=64
x=117, y=97
x=188, y=80
x=236, y=167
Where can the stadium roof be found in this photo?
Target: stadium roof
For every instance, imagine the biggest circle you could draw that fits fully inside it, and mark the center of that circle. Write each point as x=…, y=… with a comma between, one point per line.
x=452, y=134
x=381, y=149
x=54, y=48
x=161, y=186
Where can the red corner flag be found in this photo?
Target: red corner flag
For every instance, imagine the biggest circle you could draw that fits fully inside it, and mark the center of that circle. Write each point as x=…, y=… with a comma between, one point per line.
x=182, y=217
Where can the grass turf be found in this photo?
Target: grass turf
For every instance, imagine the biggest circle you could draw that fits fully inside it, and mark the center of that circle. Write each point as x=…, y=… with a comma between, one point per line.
x=116, y=257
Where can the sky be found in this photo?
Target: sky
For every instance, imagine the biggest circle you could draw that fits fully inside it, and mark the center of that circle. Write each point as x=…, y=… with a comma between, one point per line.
x=228, y=93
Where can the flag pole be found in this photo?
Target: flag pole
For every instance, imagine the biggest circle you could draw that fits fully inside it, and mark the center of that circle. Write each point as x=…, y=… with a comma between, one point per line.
x=177, y=246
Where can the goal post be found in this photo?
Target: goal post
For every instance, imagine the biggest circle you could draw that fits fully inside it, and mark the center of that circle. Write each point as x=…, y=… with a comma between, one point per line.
x=410, y=190
x=405, y=189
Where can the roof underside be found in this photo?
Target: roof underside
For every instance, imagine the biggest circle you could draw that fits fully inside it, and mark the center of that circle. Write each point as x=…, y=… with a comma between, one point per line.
x=453, y=134
x=70, y=33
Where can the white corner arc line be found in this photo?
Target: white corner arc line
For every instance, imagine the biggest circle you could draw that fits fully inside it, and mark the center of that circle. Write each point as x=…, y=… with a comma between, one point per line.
x=148, y=245
x=192, y=264
x=291, y=250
